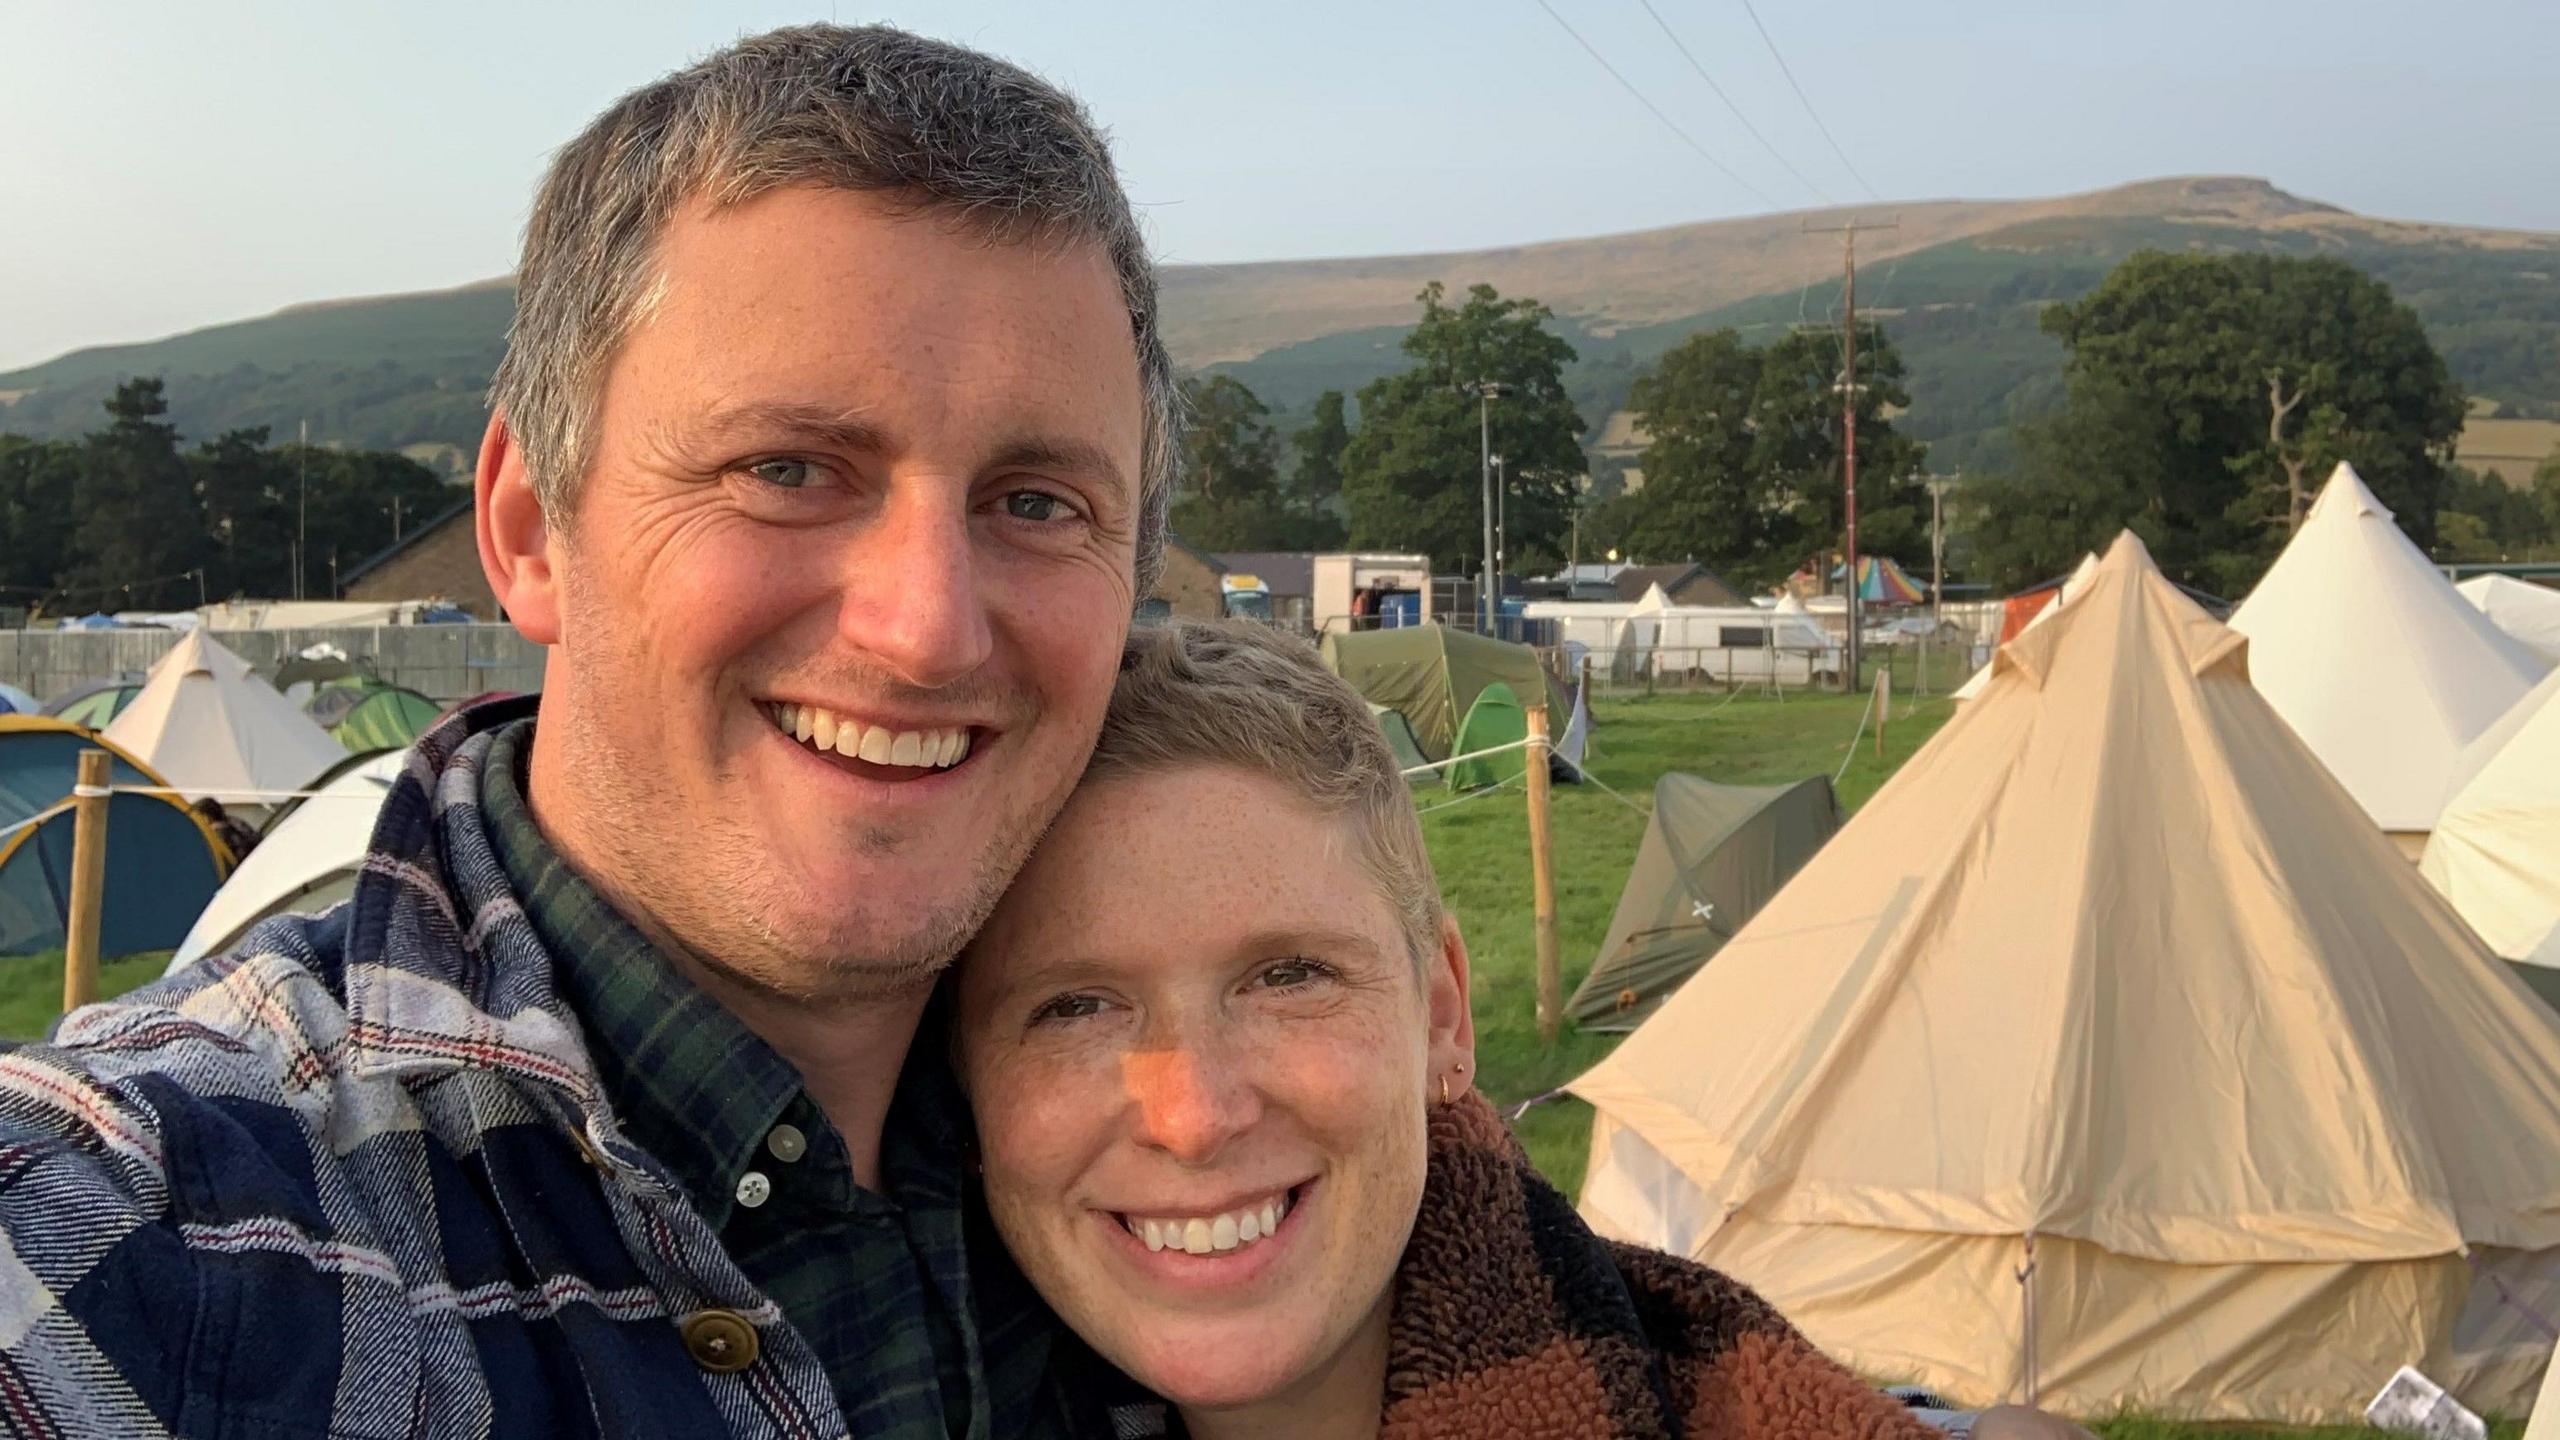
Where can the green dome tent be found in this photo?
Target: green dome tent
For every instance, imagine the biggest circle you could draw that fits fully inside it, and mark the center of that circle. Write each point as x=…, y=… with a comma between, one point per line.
x=1433, y=674
x=1399, y=733
x=94, y=703
x=163, y=864
x=1712, y=856
x=1493, y=721
x=366, y=714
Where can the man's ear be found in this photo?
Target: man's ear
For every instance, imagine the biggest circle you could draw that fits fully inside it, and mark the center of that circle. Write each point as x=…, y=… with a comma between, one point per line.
x=1453, y=1016
x=515, y=537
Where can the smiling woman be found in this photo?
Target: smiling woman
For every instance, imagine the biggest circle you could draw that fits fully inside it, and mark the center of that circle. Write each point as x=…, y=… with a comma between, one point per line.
x=1218, y=1045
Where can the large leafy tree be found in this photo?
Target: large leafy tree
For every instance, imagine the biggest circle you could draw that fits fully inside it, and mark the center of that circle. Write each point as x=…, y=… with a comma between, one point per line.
x=138, y=530
x=358, y=501
x=1315, y=482
x=37, y=480
x=1411, y=474
x=243, y=485
x=1743, y=471
x=2215, y=391
x=1233, y=496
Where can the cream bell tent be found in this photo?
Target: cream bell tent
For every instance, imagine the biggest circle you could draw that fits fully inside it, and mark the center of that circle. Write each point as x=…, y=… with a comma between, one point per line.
x=2495, y=852
x=2366, y=651
x=2529, y=612
x=206, y=721
x=307, y=860
x=2070, y=587
x=2110, y=986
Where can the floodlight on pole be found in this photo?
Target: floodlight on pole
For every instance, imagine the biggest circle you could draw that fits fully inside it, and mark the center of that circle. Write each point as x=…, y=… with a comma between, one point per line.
x=1486, y=392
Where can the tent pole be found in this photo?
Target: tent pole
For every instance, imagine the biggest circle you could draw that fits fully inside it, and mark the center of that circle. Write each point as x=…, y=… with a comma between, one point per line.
x=88, y=881
x=1542, y=875
x=2027, y=1291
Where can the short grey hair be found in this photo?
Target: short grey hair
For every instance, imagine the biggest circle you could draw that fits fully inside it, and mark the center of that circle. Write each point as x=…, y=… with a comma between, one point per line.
x=1241, y=695
x=871, y=109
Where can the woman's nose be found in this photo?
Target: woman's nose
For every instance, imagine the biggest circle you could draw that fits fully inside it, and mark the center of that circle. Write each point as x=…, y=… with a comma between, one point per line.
x=1189, y=1103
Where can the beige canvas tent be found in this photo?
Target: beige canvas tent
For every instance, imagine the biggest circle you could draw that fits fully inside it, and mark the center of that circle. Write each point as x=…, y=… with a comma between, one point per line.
x=2111, y=985
x=206, y=721
x=2529, y=612
x=2496, y=849
x=2077, y=581
x=2366, y=651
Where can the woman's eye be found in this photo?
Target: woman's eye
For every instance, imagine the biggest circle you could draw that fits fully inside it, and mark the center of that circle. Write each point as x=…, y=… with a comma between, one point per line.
x=1067, y=1007
x=1035, y=505
x=1289, y=974
x=785, y=474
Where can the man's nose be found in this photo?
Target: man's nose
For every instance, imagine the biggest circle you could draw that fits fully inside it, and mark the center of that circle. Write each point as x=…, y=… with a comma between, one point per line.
x=911, y=590
x=1189, y=1103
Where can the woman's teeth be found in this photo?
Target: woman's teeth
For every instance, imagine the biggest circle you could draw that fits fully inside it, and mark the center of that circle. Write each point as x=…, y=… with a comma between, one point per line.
x=1210, y=1234
x=825, y=730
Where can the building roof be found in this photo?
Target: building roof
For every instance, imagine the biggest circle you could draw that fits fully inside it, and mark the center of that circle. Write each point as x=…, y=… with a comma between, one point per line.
x=459, y=509
x=1211, y=563
x=1286, y=572
x=1634, y=580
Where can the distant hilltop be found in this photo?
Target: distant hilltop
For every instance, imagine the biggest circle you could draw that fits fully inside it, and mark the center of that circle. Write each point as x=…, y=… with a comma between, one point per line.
x=1958, y=283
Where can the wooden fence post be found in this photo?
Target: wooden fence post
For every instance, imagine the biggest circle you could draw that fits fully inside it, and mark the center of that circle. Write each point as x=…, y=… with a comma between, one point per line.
x=88, y=882
x=1884, y=704
x=1543, y=882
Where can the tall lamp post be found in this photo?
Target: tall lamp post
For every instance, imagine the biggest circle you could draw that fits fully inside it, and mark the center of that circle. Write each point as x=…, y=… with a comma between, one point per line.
x=1486, y=392
x=1501, y=540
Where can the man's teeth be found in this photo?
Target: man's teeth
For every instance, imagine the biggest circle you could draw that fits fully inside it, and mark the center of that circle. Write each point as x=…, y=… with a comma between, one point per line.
x=1210, y=1234
x=915, y=749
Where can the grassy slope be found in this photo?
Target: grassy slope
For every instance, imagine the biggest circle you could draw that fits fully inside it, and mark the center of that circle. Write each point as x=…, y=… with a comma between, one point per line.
x=31, y=987
x=1480, y=850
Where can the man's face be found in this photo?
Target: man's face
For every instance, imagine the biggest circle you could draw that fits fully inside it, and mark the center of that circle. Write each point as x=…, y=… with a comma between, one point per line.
x=845, y=586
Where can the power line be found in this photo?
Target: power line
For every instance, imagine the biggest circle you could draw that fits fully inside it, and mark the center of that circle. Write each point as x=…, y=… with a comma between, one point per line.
x=1668, y=122
x=1674, y=38
x=1807, y=103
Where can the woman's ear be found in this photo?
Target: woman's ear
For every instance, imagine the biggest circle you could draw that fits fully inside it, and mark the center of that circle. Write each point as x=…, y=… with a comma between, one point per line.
x=1453, y=1016
x=515, y=537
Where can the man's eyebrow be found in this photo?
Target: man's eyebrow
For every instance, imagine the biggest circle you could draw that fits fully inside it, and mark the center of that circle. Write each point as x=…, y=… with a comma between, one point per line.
x=839, y=428
x=1074, y=457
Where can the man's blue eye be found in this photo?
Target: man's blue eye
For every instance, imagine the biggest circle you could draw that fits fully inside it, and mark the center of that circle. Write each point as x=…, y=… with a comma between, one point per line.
x=1033, y=505
x=784, y=474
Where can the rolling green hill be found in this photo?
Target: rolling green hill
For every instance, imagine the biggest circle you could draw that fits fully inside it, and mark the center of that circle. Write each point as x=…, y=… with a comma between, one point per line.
x=1958, y=284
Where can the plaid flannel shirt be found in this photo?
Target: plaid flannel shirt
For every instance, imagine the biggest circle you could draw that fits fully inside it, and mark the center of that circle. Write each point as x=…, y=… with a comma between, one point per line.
x=359, y=1178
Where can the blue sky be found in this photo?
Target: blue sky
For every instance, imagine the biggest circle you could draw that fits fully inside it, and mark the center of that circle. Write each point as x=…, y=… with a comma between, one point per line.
x=165, y=165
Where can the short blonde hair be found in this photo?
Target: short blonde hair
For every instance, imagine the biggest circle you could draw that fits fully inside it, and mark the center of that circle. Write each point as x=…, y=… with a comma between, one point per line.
x=1239, y=693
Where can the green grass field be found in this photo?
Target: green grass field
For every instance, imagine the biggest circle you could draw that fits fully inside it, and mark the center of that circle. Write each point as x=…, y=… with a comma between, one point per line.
x=31, y=987
x=1480, y=850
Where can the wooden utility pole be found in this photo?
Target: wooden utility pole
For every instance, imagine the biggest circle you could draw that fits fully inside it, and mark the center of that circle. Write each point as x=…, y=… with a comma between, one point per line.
x=1542, y=880
x=1849, y=425
x=88, y=881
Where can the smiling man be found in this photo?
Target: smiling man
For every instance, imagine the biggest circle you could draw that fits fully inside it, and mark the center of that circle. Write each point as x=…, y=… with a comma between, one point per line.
x=829, y=454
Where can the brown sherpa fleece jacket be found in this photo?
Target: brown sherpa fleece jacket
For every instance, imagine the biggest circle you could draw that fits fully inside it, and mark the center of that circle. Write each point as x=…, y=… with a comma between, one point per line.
x=1511, y=1319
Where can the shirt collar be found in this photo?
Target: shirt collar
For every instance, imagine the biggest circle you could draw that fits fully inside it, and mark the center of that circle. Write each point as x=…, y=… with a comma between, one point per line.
x=691, y=1084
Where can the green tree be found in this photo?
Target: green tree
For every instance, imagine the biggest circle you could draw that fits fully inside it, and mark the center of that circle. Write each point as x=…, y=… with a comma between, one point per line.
x=37, y=480
x=2231, y=383
x=1411, y=474
x=359, y=501
x=249, y=525
x=1704, y=498
x=138, y=532
x=1232, y=495
x=1315, y=482
x=1743, y=471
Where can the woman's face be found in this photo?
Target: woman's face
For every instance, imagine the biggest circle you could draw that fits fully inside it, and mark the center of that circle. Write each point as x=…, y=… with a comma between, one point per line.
x=1199, y=1053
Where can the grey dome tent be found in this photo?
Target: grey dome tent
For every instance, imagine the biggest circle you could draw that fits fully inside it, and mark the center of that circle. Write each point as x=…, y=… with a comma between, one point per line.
x=1712, y=857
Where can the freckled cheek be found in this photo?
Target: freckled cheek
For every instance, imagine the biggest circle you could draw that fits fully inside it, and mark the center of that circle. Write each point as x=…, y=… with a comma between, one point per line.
x=1040, y=1129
